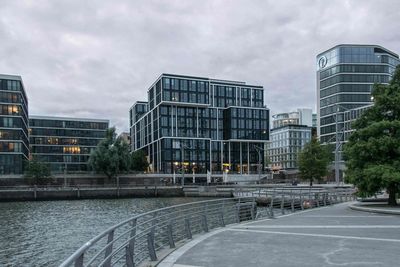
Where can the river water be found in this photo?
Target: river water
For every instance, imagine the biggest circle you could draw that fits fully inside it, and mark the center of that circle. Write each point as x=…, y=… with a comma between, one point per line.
x=44, y=233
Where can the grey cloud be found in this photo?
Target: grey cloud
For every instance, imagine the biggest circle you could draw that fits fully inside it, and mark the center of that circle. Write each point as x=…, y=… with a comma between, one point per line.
x=96, y=58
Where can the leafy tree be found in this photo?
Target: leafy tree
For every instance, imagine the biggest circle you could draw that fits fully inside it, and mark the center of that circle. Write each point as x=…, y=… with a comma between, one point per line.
x=37, y=172
x=111, y=156
x=313, y=161
x=139, y=161
x=373, y=151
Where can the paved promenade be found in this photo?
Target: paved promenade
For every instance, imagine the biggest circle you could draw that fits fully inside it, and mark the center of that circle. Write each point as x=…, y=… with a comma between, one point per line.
x=328, y=236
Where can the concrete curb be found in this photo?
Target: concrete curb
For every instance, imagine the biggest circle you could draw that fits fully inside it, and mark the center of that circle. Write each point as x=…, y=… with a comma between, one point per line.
x=374, y=210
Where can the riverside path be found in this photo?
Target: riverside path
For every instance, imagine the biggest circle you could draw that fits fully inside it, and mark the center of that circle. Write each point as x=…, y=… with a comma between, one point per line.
x=327, y=236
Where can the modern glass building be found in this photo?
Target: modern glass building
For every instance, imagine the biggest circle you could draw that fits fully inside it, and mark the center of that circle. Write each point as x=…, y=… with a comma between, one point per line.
x=345, y=77
x=290, y=132
x=201, y=124
x=14, y=140
x=65, y=143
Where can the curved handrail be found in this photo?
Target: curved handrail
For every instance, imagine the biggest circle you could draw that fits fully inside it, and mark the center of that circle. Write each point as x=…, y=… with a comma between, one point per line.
x=77, y=257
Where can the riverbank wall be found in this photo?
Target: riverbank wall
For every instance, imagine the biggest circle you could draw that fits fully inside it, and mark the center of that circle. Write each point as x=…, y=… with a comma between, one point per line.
x=31, y=194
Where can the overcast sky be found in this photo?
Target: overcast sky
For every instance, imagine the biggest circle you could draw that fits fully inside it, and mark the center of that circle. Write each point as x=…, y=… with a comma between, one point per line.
x=96, y=58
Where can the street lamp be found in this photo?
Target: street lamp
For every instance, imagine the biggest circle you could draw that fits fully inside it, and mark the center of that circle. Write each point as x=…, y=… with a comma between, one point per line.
x=175, y=167
x=259, y=149
x=183, y=146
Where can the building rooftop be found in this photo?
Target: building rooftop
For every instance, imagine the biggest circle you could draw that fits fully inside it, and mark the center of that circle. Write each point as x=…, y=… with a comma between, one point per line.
x=361, y=45
x=38, y=117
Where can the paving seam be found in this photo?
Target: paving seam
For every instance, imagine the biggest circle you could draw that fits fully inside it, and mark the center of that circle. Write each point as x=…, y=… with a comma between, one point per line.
x=315, y=235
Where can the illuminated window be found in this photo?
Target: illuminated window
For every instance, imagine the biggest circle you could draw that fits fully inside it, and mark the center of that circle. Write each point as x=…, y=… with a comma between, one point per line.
x=72, y=150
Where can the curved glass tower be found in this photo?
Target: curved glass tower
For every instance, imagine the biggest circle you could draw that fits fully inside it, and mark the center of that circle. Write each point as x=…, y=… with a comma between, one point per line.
x=346, y=74
x=345, y=77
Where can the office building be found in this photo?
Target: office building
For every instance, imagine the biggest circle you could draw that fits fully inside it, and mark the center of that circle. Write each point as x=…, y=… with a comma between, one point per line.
x=14, y=140
x=290, y=132
x=201, y=124
x=65, y=143
x=345, y=77
x=303, y=116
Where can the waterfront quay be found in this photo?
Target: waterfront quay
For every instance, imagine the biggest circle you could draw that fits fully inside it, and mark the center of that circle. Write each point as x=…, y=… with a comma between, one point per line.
x=327, y=236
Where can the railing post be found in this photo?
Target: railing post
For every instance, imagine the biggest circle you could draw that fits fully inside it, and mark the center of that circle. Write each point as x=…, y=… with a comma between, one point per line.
x=79, y=261
x=283, y=204
x=301, y=200
x=238, y=212
x=204, y=222
x=187, y=228
x=170, y=235
x=271, y=205
x=324, y=198
x=130, y=249
x=151, y=245
x=253, y=217
x=292, y=200
x=221, y=214
x=109, y=249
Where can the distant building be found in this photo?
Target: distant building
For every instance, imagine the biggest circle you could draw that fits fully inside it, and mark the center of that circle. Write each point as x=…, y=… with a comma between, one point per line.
x=303, y=116
x=201, y=124
x=314, y=120
x=291, y=132
x=65, y=143
x=14, y=140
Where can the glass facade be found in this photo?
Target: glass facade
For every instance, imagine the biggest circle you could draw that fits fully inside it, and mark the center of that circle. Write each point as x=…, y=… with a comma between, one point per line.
x=345, y=77
x=14, y=141
x=286, y=142
x=65, y=143
x=204, y=124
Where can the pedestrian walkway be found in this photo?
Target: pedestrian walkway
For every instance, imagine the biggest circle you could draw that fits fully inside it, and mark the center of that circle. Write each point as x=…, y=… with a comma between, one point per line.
x=376, y=207
x=328, y=236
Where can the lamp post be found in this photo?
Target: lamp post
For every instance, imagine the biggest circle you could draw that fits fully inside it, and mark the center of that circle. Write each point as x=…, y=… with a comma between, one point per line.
x=259, y=149
x=183, y=146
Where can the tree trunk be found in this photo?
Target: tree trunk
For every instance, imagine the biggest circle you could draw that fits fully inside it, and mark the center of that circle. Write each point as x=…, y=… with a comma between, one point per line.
x=392, y=195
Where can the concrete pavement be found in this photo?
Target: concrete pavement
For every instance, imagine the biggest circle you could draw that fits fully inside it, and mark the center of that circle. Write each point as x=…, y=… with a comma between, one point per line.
x=328, y=236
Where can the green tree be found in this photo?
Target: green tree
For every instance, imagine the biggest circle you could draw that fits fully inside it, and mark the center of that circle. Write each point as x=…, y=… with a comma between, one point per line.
x=373, y=151
x=111, y=156
x=139, y=161
x=313, y=161
x=37, y=172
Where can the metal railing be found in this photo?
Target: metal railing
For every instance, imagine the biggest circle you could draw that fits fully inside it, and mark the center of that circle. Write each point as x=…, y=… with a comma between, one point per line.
x=296, y=198
x=142, y=237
